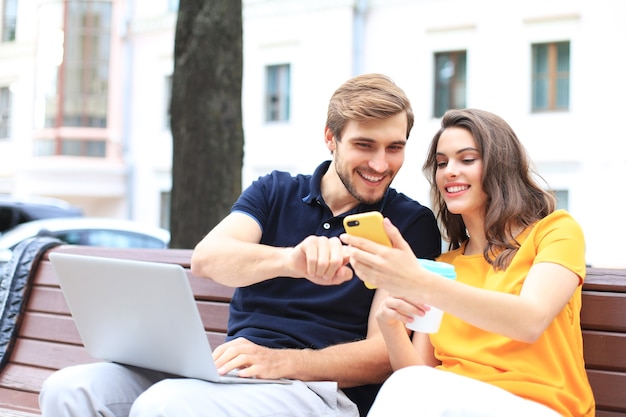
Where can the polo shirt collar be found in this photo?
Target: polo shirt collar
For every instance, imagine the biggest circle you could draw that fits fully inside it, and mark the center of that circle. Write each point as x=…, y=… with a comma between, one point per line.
x=315, y=191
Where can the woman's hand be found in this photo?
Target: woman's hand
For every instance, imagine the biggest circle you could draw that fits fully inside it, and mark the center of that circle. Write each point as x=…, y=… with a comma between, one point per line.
x=392, y=316
x=394, y=310
x=395, y=269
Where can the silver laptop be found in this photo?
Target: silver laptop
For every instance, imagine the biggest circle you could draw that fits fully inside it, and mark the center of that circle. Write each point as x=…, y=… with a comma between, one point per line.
x=139, y=313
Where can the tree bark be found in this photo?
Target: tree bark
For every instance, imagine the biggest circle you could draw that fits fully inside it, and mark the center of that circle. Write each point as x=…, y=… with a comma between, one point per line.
x=206, y=117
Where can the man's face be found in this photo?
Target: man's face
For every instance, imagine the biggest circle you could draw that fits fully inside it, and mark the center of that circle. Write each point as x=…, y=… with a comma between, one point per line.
x=369, y=155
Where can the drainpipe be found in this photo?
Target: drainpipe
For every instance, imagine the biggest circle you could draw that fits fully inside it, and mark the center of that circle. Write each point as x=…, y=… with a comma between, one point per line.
x=127, y=146
x=358, y=45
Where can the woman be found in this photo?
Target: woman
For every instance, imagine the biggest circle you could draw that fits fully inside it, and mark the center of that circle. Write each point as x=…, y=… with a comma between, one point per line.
x=510, y=342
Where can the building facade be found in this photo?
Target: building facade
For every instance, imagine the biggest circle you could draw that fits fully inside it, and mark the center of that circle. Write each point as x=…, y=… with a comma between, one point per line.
x=85, y=87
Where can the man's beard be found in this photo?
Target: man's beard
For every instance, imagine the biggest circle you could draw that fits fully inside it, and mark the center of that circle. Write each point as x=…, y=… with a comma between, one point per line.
x=345, y=180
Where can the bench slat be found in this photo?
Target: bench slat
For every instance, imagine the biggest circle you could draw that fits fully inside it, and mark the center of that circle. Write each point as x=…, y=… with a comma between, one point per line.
x=604, y=279
x=603, y=311
x=209, y=290
x=609, y=389
x=216, y=338
x=28, y=401
x=605, y=350
x=44, y=275
x=214, y=315
x=50, y=327
x=47, y=300
x=23, y=378
x=48, y=354
x=604, y=413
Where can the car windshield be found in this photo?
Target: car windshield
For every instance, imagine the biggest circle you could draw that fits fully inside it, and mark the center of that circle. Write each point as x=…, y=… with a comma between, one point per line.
x=107, y=238
x=120, y=239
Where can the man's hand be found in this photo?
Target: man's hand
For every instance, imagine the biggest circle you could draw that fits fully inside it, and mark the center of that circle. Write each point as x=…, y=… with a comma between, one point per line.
x=253, y=360
x=321, y=260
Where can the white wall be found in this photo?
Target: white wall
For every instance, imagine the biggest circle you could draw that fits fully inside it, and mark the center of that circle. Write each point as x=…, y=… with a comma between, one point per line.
x=582, y=150
x=149, y=141
x=317, y=44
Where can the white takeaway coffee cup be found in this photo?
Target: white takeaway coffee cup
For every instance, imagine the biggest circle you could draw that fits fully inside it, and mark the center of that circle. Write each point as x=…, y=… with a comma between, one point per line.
x=429, y=322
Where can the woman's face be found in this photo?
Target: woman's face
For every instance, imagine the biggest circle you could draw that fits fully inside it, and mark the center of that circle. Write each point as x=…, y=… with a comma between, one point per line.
x=459, y=172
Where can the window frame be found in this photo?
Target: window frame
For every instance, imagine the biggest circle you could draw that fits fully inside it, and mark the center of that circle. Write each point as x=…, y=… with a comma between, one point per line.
x=6, y=99
x=72, y=83
x=450, y=93
x=84, y=78
x=277, y=93
x=172, y=5
x=9, y=20
x=550, y=84
x=562, y=196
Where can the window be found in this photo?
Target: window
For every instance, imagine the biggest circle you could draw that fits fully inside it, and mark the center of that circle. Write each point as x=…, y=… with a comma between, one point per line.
x=550, y=82
x=86, y=64
x=5, y=113
x=95, y=148
x=562, y=199
x=9, y=20
x=277, y=93
x=78, y=147
x=72, y=77
x=450, y=81
x=172, y=5
x=73, y=69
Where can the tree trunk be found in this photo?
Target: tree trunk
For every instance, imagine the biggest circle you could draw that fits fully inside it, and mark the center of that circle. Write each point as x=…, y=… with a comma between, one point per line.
x=206, y=117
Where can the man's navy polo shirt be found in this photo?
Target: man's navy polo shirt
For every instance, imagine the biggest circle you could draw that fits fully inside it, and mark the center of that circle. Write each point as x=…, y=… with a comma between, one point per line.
x=295, y=313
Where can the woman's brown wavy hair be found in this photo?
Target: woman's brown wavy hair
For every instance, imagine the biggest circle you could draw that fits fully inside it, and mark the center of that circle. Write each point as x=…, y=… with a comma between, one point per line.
x=514, y=198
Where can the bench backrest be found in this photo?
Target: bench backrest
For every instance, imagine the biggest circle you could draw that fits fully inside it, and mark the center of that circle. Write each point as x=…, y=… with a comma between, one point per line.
x=47, y=339
x=603, y=319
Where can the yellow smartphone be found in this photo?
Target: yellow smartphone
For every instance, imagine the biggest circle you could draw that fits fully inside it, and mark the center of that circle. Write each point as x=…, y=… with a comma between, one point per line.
x=368, y=225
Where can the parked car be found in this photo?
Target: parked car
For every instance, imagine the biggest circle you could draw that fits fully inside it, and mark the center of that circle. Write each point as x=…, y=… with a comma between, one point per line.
x=14, y=211
x=89, y=231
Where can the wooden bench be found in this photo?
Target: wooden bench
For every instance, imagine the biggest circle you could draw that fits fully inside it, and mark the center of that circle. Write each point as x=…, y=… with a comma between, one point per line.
x=46, y=339
x=603, y=319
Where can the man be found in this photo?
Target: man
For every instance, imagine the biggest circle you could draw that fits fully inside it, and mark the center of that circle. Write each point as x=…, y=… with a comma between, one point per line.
x=297, y=312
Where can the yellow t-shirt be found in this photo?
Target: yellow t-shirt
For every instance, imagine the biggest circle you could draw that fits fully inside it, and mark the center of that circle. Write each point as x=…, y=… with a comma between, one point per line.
x=550, y=371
